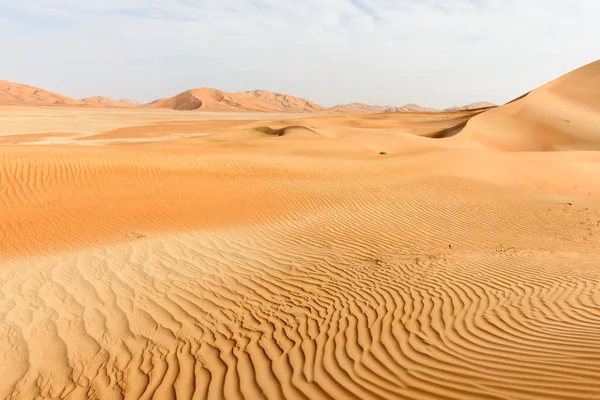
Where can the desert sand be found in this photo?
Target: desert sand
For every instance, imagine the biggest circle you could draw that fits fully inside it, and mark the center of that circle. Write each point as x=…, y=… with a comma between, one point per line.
x=152, y=253
x=16, y=94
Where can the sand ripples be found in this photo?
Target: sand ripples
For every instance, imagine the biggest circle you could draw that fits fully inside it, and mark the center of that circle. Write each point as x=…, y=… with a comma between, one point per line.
x=241, y=266
x=258, y=314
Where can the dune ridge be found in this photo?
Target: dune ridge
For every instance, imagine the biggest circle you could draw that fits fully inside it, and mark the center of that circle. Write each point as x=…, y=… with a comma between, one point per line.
x=265, y=101
x=149, y=253
x=18, y=94
x=216, y=100
x=560, y=115
x=205, y=99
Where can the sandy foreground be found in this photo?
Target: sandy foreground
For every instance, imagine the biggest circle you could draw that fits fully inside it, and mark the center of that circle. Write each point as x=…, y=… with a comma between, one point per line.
x=162, y=254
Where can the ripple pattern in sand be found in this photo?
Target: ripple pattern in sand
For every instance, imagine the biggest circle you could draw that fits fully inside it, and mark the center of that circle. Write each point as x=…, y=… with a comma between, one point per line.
x=255, y=313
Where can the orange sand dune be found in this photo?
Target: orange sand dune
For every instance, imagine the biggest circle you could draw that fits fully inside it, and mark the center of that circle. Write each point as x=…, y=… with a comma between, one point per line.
x=359, y=108
x=205, y=99
x=216, y=100
x=149, y=253
x=561, y=115
x=15, y=94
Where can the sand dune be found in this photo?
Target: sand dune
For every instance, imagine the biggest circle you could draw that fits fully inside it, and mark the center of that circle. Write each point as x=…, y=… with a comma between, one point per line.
x=415, y=107
x=261, y=100
x=472, y=106
x=216, y=100
x=204, y=99
x=148, y=253
x=360, y=108
x=16, y=94
x=106, y=102
x=562, y=115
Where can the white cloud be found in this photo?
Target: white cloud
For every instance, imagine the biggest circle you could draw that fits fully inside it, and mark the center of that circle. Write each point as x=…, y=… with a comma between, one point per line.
x=434, y=52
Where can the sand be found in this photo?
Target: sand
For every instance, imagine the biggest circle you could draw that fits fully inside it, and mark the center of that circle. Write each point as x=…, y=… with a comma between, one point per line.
x=16, y=94
x=148, y=253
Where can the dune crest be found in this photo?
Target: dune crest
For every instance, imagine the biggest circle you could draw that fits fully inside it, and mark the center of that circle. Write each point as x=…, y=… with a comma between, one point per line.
x=207, y=99
x=17, y=94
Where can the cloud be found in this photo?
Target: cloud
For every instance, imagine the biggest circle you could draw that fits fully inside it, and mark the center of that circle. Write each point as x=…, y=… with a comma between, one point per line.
x=434, y=52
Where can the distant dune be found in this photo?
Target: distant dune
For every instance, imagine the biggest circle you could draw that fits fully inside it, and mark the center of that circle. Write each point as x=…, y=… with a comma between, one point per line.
x=130, y=102
x=472, y=106
x=415, y=108
x=207, y=99
x=106, y=102
x=361, y=108
x=261, y=100
x=16, y=94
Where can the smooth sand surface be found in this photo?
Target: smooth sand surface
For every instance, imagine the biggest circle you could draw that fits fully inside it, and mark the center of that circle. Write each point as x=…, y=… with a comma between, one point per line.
x=176, y=255
x=12, y=93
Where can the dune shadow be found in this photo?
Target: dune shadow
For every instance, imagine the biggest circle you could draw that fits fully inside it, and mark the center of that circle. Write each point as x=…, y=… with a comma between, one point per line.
x=286, y=131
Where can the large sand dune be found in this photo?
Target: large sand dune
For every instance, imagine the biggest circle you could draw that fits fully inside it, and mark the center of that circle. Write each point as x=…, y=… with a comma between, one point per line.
x=561, y=115
x=16, y=94
x=149, y=253
x=206, y=99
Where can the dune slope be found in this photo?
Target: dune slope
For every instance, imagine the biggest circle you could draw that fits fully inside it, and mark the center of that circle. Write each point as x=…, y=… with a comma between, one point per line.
x=16, y=94
x=270, y=270
x=562, y=115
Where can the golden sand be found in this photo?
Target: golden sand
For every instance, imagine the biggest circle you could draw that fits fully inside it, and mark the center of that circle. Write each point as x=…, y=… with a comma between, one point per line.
x=182, y=255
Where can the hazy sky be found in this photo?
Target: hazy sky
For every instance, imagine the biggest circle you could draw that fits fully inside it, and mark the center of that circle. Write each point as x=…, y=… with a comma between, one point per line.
x=436, y=53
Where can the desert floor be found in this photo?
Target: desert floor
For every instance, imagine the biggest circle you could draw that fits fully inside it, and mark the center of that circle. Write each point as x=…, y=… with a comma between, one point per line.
x=162, y=254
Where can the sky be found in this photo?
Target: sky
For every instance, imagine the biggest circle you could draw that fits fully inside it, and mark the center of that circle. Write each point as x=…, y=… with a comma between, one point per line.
x=436, y=53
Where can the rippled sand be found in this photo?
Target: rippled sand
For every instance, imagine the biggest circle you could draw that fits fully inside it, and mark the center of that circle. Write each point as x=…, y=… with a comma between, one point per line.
x=159, y=254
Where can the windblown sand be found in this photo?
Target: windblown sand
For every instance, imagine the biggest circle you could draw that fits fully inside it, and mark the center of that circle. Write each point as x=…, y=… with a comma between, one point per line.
x=161, y=254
